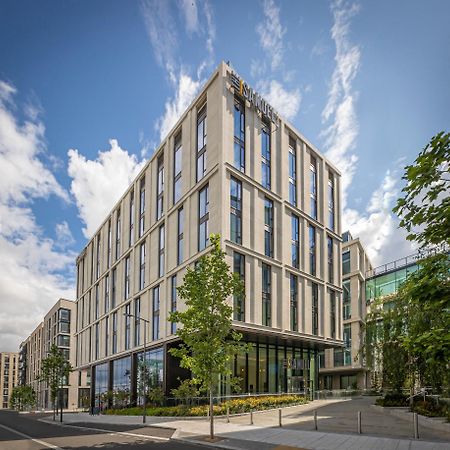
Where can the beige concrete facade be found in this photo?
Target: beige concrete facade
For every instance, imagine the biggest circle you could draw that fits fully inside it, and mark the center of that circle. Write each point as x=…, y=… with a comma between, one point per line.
x=134, y=255
x=345, y=369
x=9, y=376
x=57, y=328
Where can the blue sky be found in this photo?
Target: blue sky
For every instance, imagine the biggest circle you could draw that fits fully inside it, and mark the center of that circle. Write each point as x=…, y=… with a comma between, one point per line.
x=87, y=87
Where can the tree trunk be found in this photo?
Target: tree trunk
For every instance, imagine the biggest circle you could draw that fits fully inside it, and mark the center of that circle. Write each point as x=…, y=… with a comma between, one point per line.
x=211, y=414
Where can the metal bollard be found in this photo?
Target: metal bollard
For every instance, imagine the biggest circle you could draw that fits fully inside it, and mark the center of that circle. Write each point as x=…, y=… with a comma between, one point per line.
x=251, y=417
x=359, y=422
x=416, y=425
x=279, y=417
x=315, y=420
x=228, y=414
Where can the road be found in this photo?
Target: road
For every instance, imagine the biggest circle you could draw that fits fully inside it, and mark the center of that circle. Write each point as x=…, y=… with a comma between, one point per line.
x=27, y=432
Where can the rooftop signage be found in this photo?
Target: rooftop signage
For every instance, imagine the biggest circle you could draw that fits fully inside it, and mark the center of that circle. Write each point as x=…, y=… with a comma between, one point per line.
x=254, y=98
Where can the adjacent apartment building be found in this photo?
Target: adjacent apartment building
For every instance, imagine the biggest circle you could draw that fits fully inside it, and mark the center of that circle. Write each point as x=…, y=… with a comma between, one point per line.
x=57, y=328
x=9, y=375
x=231, y=166
x=344, y=368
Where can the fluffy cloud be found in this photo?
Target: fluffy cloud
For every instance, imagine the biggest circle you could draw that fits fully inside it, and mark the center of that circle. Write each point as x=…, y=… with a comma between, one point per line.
x=286, y=102
x=339, y=113
x=97, y=185
x=186, y=92
x=271, y=33
x=162, y=31
x=34, y=274
x=377, y=227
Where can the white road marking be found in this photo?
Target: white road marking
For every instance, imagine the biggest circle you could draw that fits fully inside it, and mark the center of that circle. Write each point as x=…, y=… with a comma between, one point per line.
x=38, y=441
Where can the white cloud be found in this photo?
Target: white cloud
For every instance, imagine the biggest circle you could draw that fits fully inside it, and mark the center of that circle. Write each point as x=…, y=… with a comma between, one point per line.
x=64, y=237
x=190, y=13
x=286, y=102
x=340, y=135
x=377, y=227
x=34, y=274
x=160, y=25
x=271, y=33
x=186, y=91
x=98, y=184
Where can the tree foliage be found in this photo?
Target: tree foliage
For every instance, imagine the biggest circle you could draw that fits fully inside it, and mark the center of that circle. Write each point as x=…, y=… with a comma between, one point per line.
x=23, y=397
x=54, y=368
x=407, y=335
x=208, y=340
x=424, y=209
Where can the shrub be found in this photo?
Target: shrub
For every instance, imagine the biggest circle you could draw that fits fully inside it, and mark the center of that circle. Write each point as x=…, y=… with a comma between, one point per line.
x=239, y=405
x=431, y=408
x=393, y=399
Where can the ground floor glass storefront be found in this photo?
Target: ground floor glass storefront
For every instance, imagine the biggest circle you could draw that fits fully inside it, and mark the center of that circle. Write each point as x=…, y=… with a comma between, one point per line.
x=275, y=368
x=266, y=369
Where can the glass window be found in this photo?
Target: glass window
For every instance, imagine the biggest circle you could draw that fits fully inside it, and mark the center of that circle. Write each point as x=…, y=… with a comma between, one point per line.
x=106, y=293
x=348, y=344
x=121, y=379
x=131, y=236
x=63, y=340
x=113, y=287
x=292, y=172
x=294, y=302
x=155, y=315
x=265, y=157
x=266, y=295
x=331, y=201
x=312, y=250
x=137, y=322
x=236, y=210
x=97, y=343
x=201, y=142
x=154, y=360
x=142, y=266
x=268, y=227
x=239, y=135
x=97, y=272
x=106, y=336
x=180, y=252
x=347, y=304
x=160, y=187
x=177, y=161
x=330, y=259
x=64, y=314
x=109, y=243
x=346, y=262
x=239, y=300
x=315, y=308
x=127, y=326
x=203, y=218
x=161, y=250
x=114, y=332
x=127, y=278
x=173, y=302
x=118, y=233
x=332, y=314
x=295, y=241
x=97, y=301
x=313, y=188
x=101, y=381
x=142, y=207
x=64, y=327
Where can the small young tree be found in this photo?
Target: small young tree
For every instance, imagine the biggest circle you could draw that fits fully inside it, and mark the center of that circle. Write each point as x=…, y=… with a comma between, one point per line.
x=185, y=392
x=23, y=397
x=54, y=369
x=208, y=341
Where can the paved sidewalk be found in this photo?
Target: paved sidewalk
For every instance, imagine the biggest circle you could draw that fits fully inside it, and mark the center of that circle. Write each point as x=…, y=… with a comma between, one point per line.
x=263, y=435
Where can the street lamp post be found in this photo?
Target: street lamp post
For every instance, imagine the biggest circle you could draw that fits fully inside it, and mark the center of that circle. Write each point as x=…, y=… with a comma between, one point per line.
x=144, y=381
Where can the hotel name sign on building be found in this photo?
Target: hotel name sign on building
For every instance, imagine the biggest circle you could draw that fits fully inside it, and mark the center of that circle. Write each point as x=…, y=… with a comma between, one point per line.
x=254, y=98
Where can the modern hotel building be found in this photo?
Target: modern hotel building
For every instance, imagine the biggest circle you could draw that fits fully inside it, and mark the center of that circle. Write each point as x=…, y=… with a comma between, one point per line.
x=230, y=166
x=9, y=375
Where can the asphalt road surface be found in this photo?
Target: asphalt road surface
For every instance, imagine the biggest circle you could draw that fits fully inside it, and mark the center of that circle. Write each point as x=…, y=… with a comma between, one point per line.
x=27, y=432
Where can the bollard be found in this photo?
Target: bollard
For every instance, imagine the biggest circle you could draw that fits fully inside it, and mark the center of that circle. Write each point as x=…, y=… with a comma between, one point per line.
x=279, y=417
x=228, y=414
x=359, y=422
x=315, y=420
x=416, y=425
x=251, y=417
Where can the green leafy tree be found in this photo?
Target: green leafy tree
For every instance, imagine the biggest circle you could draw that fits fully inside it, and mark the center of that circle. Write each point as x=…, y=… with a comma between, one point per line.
x=54, y=369
x=424, y=209
x=185, y=392
x=208, y=340
x=23, y=397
